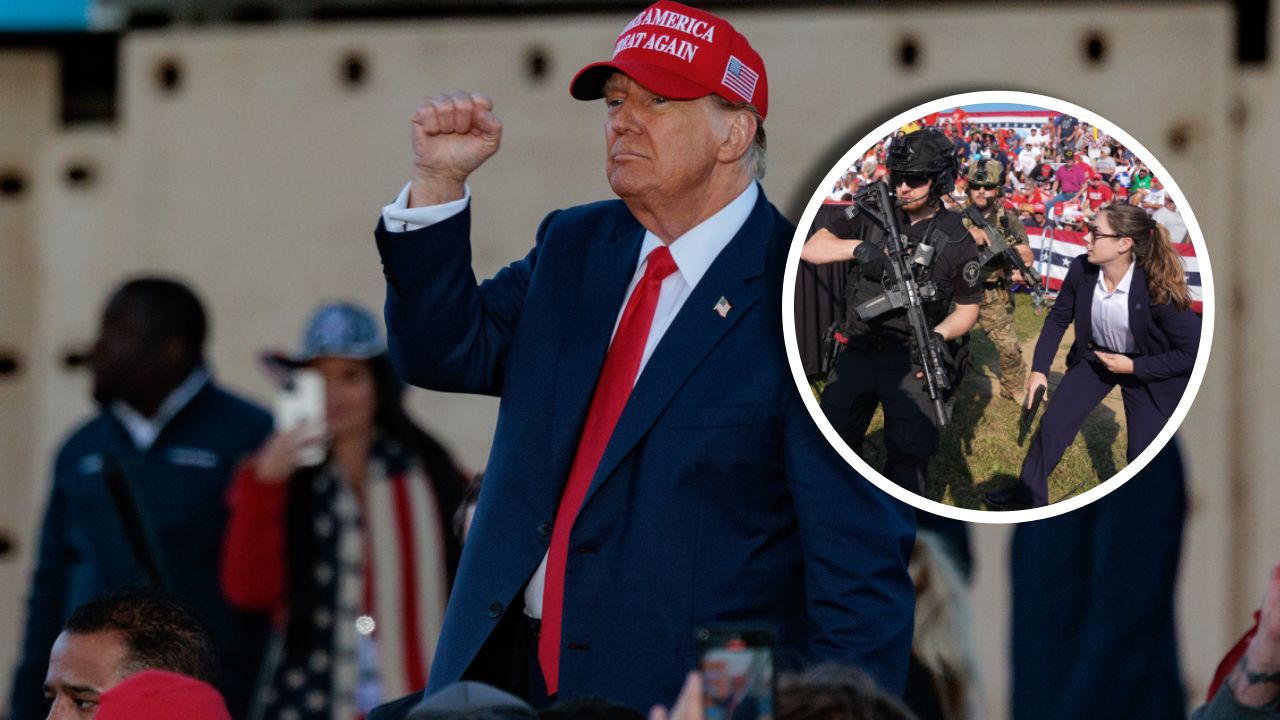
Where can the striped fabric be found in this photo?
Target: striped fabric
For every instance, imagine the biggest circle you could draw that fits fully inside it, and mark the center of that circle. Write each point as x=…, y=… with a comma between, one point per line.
x=382, y=584
x=1054, y=249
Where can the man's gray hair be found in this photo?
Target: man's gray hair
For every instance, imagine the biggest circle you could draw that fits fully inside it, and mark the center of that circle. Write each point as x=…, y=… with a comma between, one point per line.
x=755, y=157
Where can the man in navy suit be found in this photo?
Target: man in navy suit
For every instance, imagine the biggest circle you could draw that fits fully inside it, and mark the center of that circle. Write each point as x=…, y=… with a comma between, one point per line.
x=654, y=470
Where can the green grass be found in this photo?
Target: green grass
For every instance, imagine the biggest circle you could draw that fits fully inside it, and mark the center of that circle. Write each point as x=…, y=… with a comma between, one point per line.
x=979, y=449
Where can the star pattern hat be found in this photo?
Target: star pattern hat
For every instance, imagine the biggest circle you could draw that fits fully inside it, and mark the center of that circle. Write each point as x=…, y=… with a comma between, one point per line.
x=339, y=329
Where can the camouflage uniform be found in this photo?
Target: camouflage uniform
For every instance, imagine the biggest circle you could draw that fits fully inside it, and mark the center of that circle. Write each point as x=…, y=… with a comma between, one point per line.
x=995, y=314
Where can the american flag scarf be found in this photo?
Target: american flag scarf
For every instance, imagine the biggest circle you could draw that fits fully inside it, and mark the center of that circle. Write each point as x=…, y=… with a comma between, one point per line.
x=367, y=592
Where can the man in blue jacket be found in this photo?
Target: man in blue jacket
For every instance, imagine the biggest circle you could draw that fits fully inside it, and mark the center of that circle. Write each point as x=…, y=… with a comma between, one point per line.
x=654, y=469
x=173, y=438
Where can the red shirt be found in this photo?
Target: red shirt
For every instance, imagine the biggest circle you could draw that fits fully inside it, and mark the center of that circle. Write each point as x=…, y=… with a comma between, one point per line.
x=1098, y=195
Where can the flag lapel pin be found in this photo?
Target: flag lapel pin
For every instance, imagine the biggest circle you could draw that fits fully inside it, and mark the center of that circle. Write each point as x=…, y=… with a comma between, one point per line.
x=723, y=306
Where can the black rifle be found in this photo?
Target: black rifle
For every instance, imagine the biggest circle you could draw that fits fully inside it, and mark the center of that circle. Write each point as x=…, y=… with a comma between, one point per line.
x=876, y=202
x=998, y=247
x=831, y=347
x=1029, y=414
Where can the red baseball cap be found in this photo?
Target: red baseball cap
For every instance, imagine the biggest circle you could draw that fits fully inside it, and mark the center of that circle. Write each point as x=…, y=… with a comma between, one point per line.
x=160, y=695
x=681, y=53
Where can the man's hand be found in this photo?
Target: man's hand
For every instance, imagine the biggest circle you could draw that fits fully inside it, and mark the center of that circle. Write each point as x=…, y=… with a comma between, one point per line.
x=1255, y=681
x=979, y=236
x=452, y=136
x=1028, y=258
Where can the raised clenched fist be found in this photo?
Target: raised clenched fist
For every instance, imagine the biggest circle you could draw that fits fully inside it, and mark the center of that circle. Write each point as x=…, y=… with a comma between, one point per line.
x=452, y=135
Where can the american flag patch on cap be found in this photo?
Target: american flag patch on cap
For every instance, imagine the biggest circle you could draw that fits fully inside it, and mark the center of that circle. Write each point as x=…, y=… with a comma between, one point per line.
x=740, y=78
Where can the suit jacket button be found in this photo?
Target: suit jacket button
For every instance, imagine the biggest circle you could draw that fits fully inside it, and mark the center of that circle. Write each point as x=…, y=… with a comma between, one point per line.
x=495, y=609
x=544, y=529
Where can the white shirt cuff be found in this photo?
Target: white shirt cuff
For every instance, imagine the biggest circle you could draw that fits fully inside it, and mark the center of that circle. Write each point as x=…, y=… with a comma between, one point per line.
x=399, y=217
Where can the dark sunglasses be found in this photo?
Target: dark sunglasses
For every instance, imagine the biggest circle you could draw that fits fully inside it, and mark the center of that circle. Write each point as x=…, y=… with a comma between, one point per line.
x=911, y=181
x=975, y=186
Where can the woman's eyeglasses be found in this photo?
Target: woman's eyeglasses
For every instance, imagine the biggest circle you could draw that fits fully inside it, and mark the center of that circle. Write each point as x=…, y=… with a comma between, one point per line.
x=1097, y=233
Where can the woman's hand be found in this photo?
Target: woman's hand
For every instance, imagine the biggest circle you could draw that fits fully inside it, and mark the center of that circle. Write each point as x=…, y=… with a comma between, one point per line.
x=1034, y=380
x=279, y=457
x=1118, y=364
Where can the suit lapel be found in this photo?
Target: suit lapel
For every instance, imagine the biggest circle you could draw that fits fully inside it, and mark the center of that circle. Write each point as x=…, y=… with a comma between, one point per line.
x=693, y=333
x=603, y=277
x=1084, y=308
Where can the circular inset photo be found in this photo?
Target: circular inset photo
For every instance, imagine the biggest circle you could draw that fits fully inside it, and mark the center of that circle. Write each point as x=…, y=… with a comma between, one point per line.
x=998, y=306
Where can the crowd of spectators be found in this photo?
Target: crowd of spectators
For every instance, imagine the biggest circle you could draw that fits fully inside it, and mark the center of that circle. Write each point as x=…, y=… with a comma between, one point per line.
x=1056, y=174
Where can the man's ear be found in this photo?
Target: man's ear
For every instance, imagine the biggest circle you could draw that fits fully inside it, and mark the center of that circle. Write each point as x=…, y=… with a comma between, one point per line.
x=740, y=133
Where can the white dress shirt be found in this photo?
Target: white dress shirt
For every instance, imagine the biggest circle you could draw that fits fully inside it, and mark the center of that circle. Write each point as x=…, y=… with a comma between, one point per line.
x=692, y=252
x=144, y=430
x=1111, y=314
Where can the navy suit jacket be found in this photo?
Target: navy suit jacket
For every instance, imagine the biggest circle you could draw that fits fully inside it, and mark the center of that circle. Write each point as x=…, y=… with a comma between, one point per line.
x=1167, y=338
x=1093, y=604
x=717, y=501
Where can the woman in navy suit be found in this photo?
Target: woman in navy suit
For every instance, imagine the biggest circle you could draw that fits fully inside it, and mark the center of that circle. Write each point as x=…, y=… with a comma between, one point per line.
x=1131, y=306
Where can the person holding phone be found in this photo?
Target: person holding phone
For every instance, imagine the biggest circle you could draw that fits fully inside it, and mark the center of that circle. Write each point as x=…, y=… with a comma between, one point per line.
x=352, y=555
x=1134, y=327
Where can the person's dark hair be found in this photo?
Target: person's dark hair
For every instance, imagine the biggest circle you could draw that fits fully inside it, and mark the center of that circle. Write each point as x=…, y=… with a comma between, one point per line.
x=589, y=708
x=395, y=423
x=470, y=497
x=1166, y=279
x=835, y=692
x=160, y=632
x=172, y=310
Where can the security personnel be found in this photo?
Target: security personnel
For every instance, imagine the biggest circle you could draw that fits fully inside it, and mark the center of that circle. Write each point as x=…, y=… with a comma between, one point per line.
x=879, y=366
x=995, y=314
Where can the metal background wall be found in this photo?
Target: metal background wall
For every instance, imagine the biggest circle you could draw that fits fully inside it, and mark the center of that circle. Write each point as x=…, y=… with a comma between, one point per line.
x=259, y=175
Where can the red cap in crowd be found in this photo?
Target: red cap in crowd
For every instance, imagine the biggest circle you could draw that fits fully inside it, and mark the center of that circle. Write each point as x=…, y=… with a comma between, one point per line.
x=160, y=695
x=681, y=53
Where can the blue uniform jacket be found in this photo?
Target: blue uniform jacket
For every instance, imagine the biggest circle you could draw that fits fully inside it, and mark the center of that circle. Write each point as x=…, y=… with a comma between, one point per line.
x=179, y=483
x=1167, y=338
x=717, y=500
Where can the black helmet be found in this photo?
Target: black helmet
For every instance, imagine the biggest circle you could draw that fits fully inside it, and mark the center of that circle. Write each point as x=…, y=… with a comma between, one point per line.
x=925, y=152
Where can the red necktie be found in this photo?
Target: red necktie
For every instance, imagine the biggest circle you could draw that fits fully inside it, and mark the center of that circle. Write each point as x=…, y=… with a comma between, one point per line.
x=612, y=390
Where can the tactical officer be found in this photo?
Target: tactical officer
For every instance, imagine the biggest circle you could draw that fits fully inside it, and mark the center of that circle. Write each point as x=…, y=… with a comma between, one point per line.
x=995, y=314
x=880, y=366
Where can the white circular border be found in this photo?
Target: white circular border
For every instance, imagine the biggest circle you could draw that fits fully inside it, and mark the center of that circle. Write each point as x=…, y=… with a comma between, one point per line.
x=793, y=351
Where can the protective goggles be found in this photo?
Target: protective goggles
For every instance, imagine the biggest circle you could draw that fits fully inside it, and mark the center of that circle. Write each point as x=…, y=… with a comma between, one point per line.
x=911, y=180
